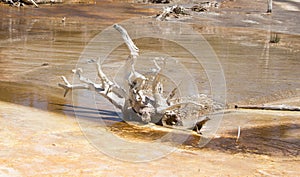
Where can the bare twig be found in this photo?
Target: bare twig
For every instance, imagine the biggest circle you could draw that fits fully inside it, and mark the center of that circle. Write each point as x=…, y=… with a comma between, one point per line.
x=35, y=4
x=134, y=51
x=67, y=86
x=238, y=135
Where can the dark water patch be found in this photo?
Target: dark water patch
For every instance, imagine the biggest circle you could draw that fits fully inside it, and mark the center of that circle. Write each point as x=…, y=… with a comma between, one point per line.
x=276, y=140
x=150, y=133
x=89, y=113
x=30, y=95
x=51, y=100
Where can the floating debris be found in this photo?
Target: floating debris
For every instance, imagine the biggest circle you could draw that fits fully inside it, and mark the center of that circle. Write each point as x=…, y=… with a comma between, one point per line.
x=91, y=61
x=172, y=11
x=177, y=11
x=198, y=8
x=281, y=107
x=45, y=64
x=153, y=1
x=205, y=6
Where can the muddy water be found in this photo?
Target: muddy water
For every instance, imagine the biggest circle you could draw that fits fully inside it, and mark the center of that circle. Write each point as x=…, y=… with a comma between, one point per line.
x=37, y=47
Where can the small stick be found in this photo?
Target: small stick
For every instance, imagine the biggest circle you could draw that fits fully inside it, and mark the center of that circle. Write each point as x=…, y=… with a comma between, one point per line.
x=238, y=135
x=34, y=3
x=270, y=107
x=12, y=2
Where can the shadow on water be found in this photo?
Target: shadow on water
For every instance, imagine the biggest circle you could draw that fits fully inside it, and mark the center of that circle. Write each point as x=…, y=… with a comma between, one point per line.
x=89, y=113
x=265, y=140
x=41, y=98
x=268, y=140
x=29, y=95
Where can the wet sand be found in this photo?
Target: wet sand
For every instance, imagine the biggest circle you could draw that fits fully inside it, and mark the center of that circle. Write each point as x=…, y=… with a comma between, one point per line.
x=38, y=48
x=51, y=144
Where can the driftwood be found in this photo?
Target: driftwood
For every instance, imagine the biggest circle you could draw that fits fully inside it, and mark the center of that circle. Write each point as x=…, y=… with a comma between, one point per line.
x=269, y=107
x=34, y=3
x=10, y=2
x=204, y=6
x=142, y=105
x=14, y=3
x=19, y=3
x=174, y=11
x=198, y=8
x=177, y=11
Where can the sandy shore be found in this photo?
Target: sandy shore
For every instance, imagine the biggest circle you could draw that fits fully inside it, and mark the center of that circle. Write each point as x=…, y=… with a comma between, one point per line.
x=39, y=143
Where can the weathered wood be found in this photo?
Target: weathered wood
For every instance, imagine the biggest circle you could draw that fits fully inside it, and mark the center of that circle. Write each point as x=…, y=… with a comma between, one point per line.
x=134, y=51
x=19, y=3
x=33, y=2
x=132, y=100
x=11, y=2
x=269, y=107
x=167, y=11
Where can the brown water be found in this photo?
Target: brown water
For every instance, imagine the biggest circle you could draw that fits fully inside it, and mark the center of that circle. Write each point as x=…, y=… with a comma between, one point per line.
x=36, y=47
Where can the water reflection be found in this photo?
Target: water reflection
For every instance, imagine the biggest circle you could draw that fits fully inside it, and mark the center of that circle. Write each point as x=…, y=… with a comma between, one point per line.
x=28, y=95
x=89, y=113
x=253, y=67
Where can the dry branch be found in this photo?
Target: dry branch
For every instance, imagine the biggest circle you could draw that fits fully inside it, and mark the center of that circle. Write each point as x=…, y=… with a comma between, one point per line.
x=174, y=10
x=269, y=107
x=134, y=100
x=34, y=3
x=134, y=51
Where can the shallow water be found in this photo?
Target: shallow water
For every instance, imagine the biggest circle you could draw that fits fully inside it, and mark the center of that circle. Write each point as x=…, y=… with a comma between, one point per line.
x=38, y=48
